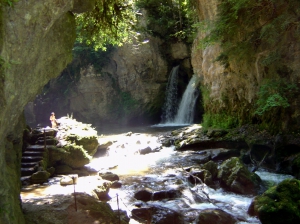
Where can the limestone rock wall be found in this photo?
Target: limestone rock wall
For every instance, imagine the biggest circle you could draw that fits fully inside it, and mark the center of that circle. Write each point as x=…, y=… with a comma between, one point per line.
x=36, y=39
x=130, y=89
x=234, y=89
x=128, y=86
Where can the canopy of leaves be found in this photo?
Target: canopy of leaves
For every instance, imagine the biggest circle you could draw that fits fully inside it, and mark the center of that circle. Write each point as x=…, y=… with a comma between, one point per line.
x=170, y=19
x=110, y=22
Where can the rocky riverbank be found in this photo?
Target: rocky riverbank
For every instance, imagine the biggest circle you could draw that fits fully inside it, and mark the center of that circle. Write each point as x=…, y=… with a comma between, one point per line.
x=172, y=177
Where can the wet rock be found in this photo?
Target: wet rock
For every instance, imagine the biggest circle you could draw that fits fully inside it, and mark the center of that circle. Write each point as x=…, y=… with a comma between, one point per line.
x=157, y=215
x=216, y=133
x=146, y=150
x=279, y=204
x=168, y=194
x=102, y=149
x=212, y=167
x=224, y=154
x=235, y=176
x=116, y=184
x=102, y=190
x=51, y=170
x=63, y=169
x=69, y=180
x=143, y=195
x=209, y=216
x=201, y=176
x=109, y=176
x=141, y=214
x=39, y=177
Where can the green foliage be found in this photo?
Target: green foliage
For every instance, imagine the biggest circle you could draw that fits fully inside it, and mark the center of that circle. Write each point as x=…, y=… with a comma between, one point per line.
x=244, y=26
x=279, y=204
x=7, y=2
x=110, y=22
x=275, y=94
x=220, y=120
x=170, y=19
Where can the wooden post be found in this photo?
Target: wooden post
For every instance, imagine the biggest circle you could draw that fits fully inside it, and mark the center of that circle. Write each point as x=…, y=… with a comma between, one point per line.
x=118, y=209
x=73, y=178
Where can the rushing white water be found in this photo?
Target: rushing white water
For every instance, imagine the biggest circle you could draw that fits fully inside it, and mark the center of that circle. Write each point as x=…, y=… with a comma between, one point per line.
x=170, y=106
x=185, y=113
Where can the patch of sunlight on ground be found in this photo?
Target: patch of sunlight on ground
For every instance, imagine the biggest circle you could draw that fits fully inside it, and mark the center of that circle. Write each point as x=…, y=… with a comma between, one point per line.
x=84, y=184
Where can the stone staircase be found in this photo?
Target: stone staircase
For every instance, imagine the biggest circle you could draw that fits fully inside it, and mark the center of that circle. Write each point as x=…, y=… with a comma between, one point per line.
x=34, y=157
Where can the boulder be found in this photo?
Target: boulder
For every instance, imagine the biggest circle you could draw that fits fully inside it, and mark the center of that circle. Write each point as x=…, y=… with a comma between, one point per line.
x=63, y=169
x=209, y=216
x=143, y=194
x=102, y=190
x=167, y=194
x=235, y=176
x=199, y=176
x=157, y=214
x=109, y=176
x=39, y=177
x=279, y=204
x=102, y=148
x=116, y=184
x=67, y=180
x=75, y=156
x=212, y=167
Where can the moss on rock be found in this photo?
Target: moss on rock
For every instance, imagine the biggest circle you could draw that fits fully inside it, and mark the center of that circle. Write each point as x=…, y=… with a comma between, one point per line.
x=235, y=176
x=75, y=156
x=279, y=204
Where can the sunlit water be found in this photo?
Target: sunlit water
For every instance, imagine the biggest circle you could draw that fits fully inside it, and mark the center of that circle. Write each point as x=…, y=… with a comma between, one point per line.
x=161, y=170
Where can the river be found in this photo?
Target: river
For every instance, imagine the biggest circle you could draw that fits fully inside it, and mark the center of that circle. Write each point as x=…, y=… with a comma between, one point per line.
x=158, y=171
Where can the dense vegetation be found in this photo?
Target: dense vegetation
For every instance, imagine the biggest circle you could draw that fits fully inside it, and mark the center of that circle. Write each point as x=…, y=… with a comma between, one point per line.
x=110, y=22
x=169, y=19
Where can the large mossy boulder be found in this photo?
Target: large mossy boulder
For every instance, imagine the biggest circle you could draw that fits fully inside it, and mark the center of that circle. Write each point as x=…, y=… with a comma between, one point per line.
x=75, y=156
x=235, y=176
x=279, y=204
x=72, y=132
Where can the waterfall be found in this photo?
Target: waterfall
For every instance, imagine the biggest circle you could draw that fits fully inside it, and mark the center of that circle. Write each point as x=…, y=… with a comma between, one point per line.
x=170, y=106
x=185, y=113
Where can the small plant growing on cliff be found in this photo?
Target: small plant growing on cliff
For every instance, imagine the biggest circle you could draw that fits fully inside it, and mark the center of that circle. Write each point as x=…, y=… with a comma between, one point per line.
x=274, y=94
x=7, y=2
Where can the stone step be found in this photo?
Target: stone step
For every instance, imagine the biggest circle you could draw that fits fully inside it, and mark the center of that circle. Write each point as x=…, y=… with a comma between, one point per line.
x=31, y=159
x=33, y=153
x=35, y=148
x=25, y=180
x=48, y=142
x=28, y=165
x=27, y=171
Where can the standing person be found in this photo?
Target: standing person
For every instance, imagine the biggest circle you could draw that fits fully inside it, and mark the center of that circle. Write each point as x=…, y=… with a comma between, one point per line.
x=53, y=120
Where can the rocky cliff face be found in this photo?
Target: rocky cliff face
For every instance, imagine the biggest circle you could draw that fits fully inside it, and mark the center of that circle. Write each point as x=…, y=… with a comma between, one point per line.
x=232, y=90
x=129, y=89
x=36, y=39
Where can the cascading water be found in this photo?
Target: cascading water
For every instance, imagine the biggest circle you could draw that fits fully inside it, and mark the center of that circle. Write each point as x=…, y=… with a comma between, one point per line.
x=185, y=113
x=170, y=106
